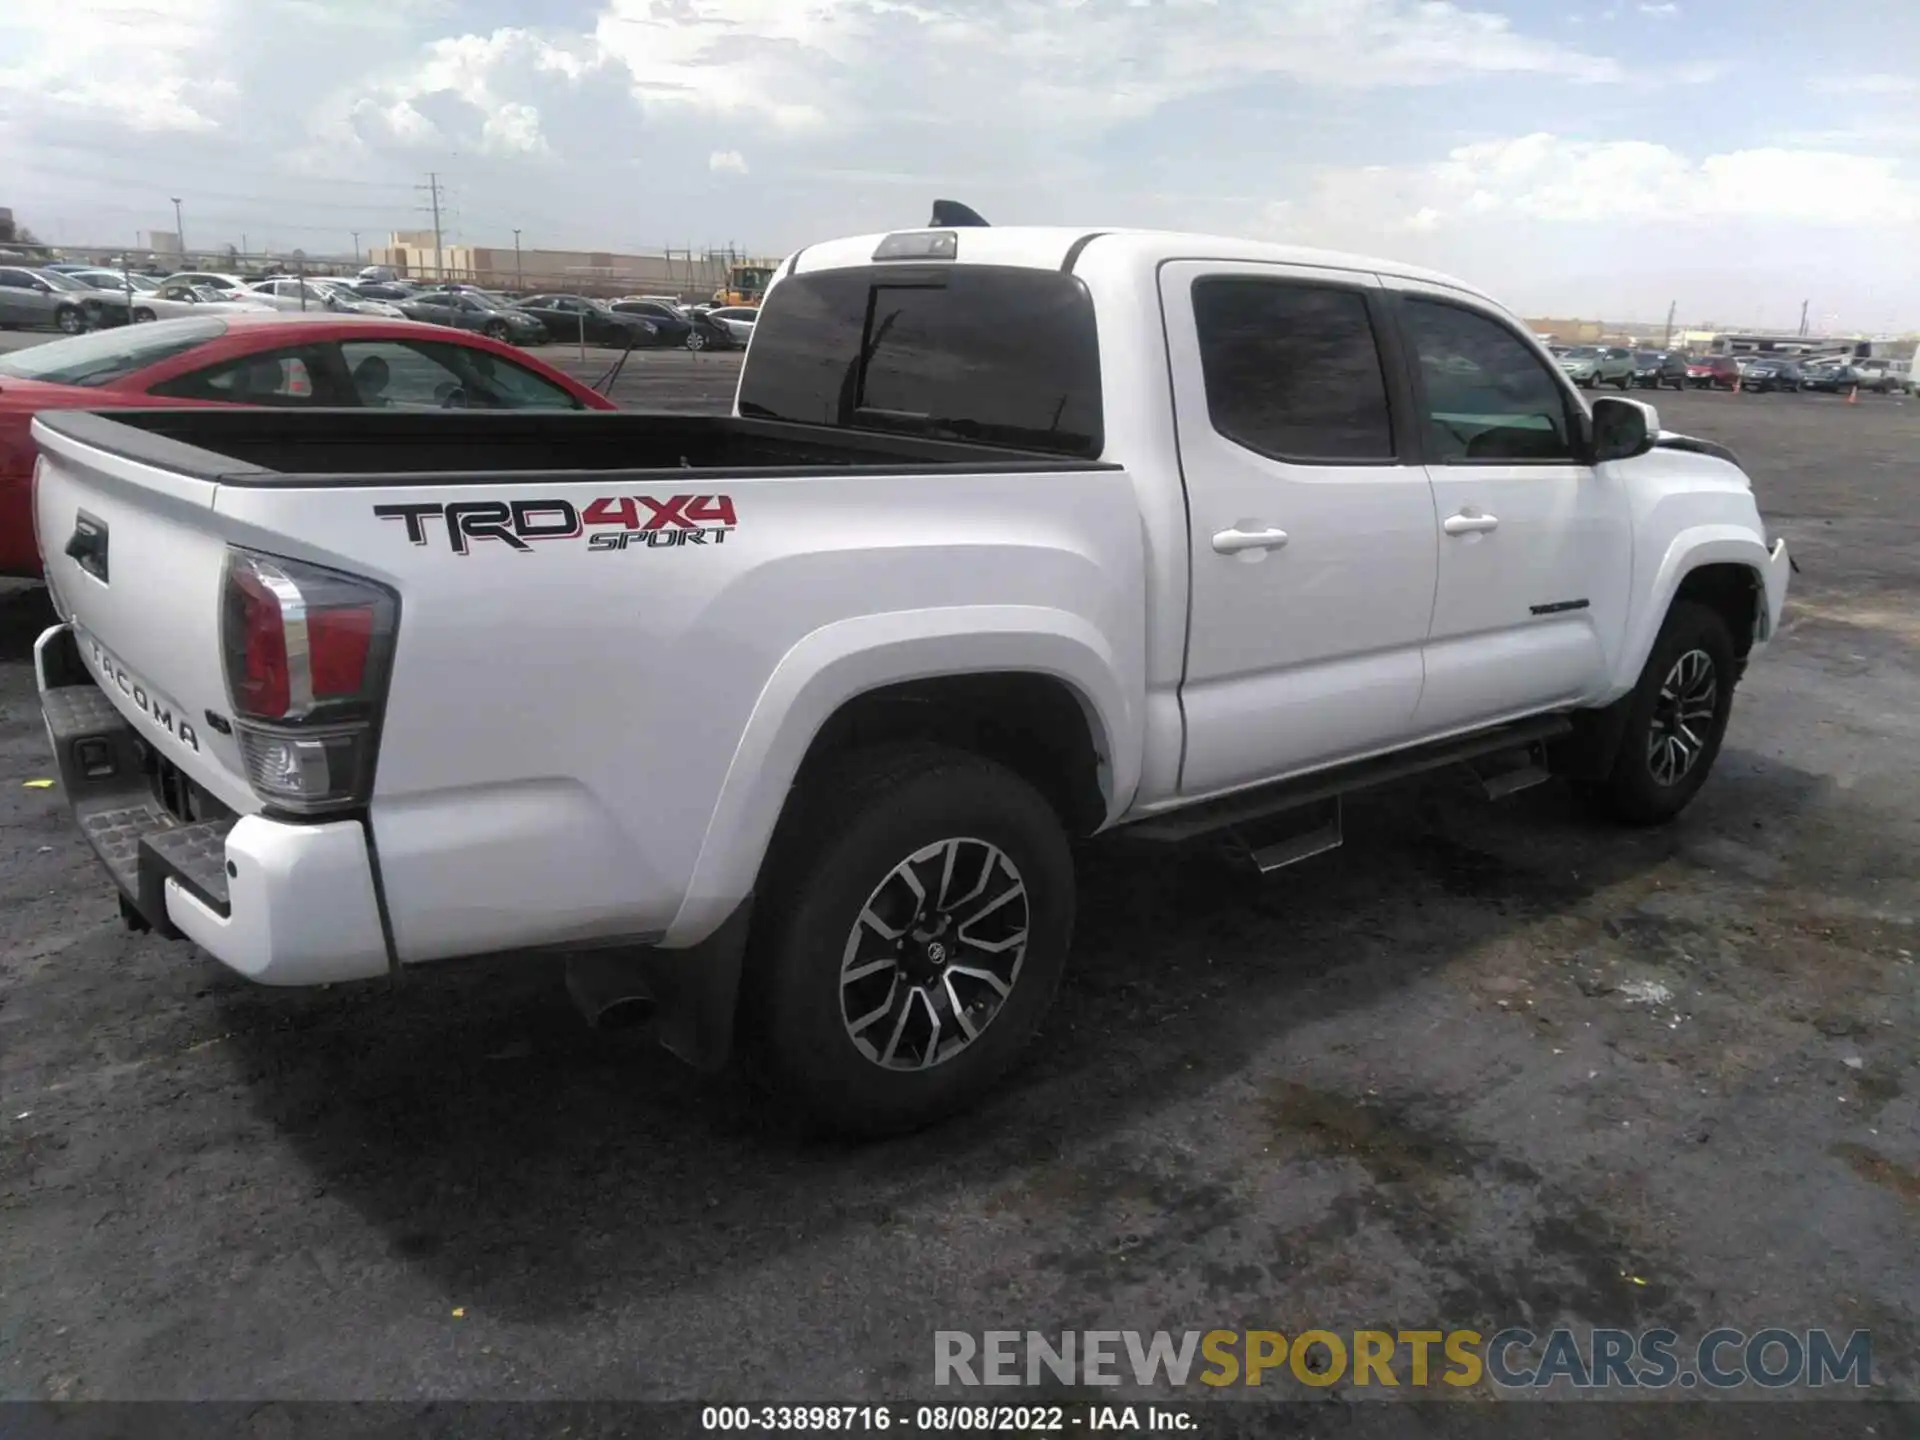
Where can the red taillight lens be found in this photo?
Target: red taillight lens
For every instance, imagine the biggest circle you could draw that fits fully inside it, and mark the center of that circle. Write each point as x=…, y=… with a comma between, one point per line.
x=337, y=645
x=307, y=653
x=260, y=687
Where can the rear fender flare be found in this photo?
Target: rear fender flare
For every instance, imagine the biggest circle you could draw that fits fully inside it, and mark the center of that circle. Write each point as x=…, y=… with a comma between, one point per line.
x=838, y=662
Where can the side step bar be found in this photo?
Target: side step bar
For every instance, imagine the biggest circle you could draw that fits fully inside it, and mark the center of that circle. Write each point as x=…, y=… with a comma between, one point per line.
x=1523, y=738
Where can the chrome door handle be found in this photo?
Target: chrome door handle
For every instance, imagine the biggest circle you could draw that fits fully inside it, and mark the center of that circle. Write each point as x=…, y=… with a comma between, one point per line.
x=1469, y=522
x=1232, y=542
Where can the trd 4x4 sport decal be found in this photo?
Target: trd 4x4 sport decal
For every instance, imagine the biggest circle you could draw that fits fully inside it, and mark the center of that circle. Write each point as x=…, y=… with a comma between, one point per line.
x=616, y=522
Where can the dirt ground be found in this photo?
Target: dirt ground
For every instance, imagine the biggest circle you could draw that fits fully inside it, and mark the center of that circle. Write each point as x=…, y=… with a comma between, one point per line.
x=1487, y=1065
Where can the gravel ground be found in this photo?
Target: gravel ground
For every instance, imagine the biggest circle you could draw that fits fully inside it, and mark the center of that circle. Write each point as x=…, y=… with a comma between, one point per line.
x=1486, y=1065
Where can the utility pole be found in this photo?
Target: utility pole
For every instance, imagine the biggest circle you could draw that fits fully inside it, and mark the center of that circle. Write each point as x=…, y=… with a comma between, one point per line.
x=432, y=188
x=1666, y=341
x=519, y=280
x=179, y=231
x=356, y=248
x=1803, y=315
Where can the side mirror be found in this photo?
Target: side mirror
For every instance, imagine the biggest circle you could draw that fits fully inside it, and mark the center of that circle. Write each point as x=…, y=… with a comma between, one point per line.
x=43, y=287
x=1622, y=428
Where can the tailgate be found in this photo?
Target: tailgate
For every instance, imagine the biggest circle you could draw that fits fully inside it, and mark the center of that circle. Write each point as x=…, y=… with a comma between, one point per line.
x=135, y=565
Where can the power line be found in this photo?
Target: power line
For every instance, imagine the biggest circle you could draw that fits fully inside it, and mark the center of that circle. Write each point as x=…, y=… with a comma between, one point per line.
x=432, y=188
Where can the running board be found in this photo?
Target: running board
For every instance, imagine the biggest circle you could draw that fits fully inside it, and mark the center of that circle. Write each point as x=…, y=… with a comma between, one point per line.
x=1245, y=806
x=1315, y=834
x=1527, y=768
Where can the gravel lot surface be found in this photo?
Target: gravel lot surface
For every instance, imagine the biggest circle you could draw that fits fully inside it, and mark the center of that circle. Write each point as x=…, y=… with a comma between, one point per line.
x=1488, y=1064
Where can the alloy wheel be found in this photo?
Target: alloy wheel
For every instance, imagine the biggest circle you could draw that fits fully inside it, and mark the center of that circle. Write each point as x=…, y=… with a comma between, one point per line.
x=934, y=954
x=1682, y=718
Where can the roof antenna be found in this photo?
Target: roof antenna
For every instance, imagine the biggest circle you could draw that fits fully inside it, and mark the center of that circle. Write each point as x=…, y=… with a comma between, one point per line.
x=948, y=214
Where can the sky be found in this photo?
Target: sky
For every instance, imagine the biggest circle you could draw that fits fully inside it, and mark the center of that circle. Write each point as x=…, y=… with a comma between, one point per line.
x=1576, y=159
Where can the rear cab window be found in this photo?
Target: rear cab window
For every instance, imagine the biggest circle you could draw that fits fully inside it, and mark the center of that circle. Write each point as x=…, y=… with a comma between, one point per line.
x=999, y=355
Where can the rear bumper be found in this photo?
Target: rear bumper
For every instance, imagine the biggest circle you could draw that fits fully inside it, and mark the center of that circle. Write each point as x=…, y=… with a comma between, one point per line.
x=283, y=904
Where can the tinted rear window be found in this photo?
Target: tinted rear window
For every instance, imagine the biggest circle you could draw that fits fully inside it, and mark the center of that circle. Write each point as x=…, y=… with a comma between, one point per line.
x=998, y=355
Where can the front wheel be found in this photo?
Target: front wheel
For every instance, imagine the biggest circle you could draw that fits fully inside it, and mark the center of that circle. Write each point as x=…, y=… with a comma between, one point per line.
x=1676, y=718
x=70, y=320
x=1626, y=383
x=495, y=330
x=913, y=931
x=696, y=340
x=142, y=316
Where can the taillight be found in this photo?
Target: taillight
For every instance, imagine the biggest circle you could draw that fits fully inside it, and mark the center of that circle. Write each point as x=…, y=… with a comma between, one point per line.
x=307, y=653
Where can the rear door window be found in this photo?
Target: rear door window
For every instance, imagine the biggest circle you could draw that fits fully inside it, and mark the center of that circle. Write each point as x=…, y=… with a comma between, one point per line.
x=993, y=354
x=1292, y=370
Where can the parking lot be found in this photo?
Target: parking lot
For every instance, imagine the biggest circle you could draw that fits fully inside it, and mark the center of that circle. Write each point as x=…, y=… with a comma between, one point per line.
x=1488, y=1064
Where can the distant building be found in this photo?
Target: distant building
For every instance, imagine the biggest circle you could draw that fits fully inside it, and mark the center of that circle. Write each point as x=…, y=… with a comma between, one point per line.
x=410, y=254
x=166, y=247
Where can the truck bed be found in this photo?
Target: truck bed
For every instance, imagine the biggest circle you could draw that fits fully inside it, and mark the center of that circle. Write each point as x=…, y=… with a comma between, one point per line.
x=265, y=447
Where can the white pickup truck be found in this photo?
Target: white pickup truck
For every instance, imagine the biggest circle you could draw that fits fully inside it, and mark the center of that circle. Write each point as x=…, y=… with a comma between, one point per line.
x=778, y=724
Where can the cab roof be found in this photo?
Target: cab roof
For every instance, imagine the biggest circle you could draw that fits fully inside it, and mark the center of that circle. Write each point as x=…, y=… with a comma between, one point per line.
x=1047, y=248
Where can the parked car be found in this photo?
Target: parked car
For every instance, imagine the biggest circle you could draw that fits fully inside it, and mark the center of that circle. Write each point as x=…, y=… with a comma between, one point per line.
x=391, y=291
x=569, y=318
x=124, y=281
x=1712, y=372
x=466, y=311
x=176, y=300
x=737, y=318
x=34, y=299
x=258, y=357
x=1770, y=373
x=1877, y=377
x=1657, y=369
x=673, y=326
x=1591, y=366
x=1176, y=628
x=218, y=280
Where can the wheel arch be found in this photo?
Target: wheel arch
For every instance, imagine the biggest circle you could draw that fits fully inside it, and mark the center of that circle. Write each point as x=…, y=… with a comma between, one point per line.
x=1037, y=689
x=1721, y=566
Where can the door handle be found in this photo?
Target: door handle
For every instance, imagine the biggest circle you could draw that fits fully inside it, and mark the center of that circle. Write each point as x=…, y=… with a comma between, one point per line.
x=1469, y=522
x=1233, y=542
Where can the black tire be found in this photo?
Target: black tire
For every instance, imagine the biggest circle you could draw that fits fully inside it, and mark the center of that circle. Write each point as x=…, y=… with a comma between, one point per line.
x=142, y=316
x=1634, y=793
x=1626, y=382
x=495, y=330
x=695, y=340
x=70, y=320
x=835, y=858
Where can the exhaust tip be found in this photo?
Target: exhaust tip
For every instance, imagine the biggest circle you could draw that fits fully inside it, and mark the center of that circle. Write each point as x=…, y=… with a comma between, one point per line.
x=608, y=992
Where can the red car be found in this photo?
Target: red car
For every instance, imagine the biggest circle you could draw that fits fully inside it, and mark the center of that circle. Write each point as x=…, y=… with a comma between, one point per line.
x=1712, y=372
x=285, y=359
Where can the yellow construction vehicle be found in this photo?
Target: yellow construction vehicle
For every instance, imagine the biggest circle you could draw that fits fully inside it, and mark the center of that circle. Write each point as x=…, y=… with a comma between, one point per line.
x=746, y=284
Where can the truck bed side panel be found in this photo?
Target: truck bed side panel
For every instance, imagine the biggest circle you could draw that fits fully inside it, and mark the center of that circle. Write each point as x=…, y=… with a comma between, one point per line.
x=579, y=660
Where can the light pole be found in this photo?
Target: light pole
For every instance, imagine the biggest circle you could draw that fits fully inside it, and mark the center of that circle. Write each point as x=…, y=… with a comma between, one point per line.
x=356, y=248
x=519, y=281
x=179, y=230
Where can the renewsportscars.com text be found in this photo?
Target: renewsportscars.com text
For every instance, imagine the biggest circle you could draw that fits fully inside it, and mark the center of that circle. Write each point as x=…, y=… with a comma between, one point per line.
x=1510, y=1359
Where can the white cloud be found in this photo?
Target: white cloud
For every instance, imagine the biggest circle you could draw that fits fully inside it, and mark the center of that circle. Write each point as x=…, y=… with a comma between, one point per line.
x=1618, y=184
x=157, y=67
x=729, y=162
x=1878, y=84
x=1661, y=11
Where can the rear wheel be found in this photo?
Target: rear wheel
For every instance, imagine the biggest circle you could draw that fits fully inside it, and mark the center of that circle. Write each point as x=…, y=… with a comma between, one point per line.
x=696, y=340
x=1676, y=719
x=911, y=937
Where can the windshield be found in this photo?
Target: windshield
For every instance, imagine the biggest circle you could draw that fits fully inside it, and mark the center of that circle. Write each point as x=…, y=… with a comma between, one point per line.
x=106, y=355
x=1581, y=352
x=61, y=281
x=1649, y=357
